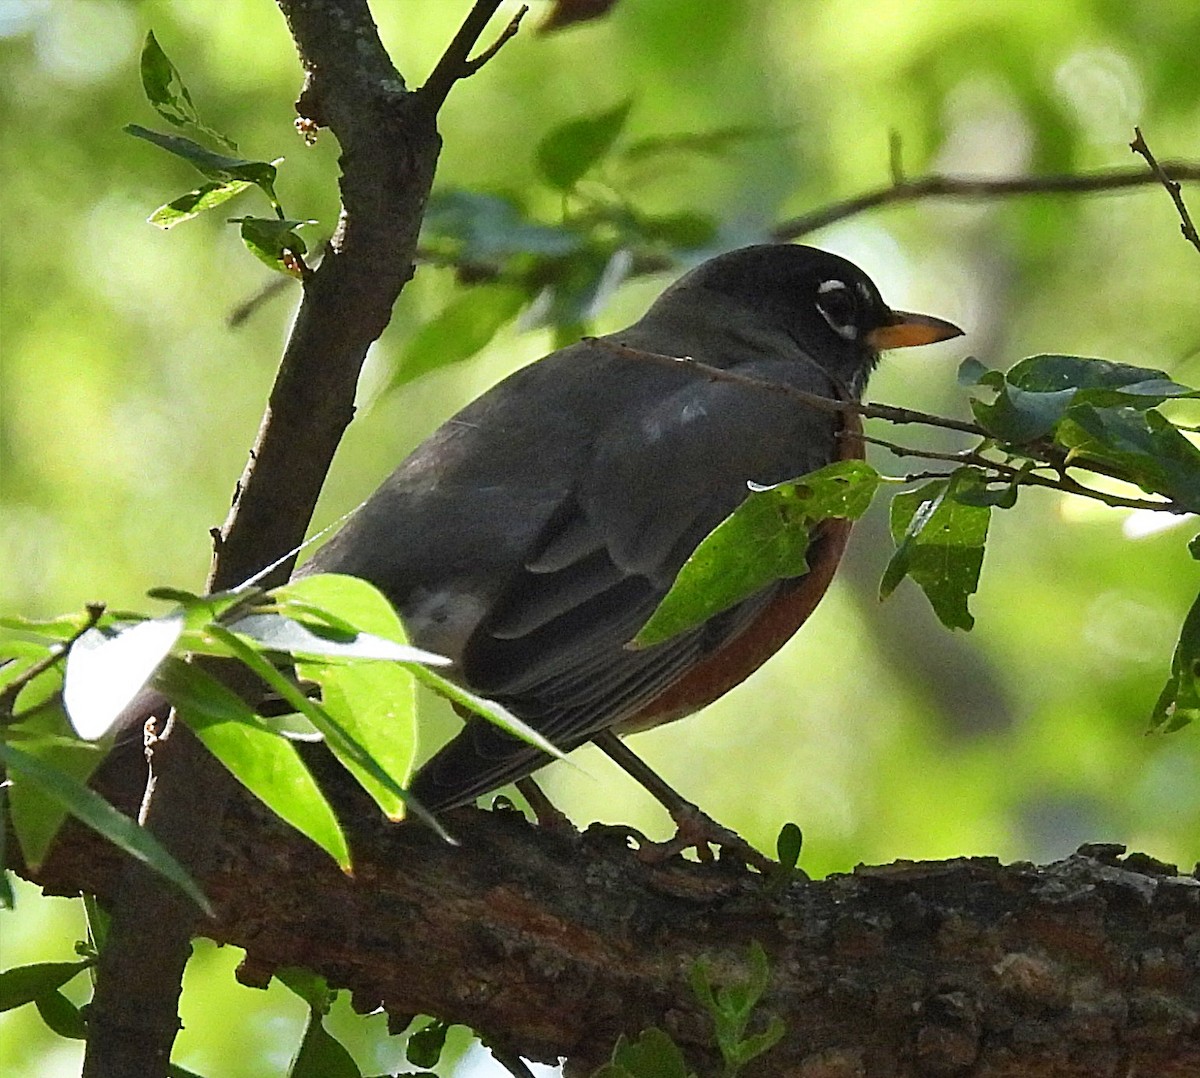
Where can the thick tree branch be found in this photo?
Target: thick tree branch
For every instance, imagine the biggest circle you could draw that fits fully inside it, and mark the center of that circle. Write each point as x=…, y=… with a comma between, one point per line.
x=553, y=945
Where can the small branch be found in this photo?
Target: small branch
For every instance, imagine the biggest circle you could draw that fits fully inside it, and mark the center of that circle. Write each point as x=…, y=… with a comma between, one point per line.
x=456, y=62
x=8, y=697
x=935, y=186
x=815, y=400
x=1138, y=146
x=1063, y=483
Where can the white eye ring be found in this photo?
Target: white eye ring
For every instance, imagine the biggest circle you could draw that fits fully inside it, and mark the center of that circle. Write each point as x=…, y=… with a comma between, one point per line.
x=846, y=330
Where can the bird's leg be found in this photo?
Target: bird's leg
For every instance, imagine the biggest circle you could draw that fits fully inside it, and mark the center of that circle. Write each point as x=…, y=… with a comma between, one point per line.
x=695, y=829
x=548, y=816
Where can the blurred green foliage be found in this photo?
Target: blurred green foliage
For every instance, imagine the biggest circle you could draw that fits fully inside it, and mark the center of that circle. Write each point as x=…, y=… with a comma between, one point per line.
x=129, y=404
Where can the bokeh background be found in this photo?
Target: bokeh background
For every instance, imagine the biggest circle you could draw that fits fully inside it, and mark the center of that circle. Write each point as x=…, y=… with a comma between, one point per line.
x=129, y=402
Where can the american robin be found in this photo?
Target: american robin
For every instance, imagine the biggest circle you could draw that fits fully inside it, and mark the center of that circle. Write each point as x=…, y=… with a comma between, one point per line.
x=533, y=534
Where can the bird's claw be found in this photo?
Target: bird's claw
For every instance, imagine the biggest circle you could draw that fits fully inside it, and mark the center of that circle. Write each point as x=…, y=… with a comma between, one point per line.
x=698, y=831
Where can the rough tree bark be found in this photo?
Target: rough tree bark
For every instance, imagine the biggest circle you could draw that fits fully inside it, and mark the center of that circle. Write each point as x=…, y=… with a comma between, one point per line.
x=553, y=945
x=390, y=144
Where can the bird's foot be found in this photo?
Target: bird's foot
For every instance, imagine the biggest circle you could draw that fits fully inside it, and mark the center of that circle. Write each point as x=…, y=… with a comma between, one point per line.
x=698, y=831
x=548, y=816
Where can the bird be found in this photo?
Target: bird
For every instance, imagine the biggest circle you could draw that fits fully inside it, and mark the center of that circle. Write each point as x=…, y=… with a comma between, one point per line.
x=532, y=535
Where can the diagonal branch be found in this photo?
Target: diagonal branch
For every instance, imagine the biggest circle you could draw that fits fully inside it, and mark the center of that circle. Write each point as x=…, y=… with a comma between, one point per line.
x=456, y=62
x=1138, y=146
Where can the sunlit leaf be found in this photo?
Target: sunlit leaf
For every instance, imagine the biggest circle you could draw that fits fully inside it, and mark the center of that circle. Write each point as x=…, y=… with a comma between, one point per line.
x=339, y=740
x=1146, y=448
x=764, y=540
x=107, y=669
x=91, y=809
x=275, y=632
x=273, y=241
x=194, y=203
x=36, y=814
x=265, y=763
x=374, y=701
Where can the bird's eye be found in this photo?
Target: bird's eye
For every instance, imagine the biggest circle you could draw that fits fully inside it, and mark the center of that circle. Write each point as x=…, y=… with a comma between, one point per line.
x=837, y=304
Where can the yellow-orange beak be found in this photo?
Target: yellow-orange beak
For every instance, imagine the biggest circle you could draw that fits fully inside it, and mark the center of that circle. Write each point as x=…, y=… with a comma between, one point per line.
x=907, y=330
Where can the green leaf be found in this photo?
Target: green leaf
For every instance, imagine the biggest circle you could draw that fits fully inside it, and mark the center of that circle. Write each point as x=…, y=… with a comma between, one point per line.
x=1143, y=446
x=215, y=166
x=1056, y=373
x=61, y=1015
x=108, y=668
x=1036, y=394
x=572, y=148
x=1018, y=417
x=424, y=1048
x=25, y=984
x=652, y=1055
x=765, y=539
x=322, y=1056
x=194, y=203
x=788, y=846
x=1179, y=703
x=36, y=815
x=463, y=328
x=939, y=544
x=339, y=740
x=488, y=709
x=374, y=701
x=267, y=764
x=732, y=1007
x=271, y=240
x=62, y=628
x=485, y=228
x=166, y=91
x=315, y=639
x=971, y=372
x=91, y=809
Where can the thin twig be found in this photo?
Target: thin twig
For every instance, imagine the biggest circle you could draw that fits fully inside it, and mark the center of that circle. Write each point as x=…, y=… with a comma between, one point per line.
x=1138, y=146
x=456, y=63
x=12, y=690
x=1063, y=483
x=935, y=186
x=815, y=400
